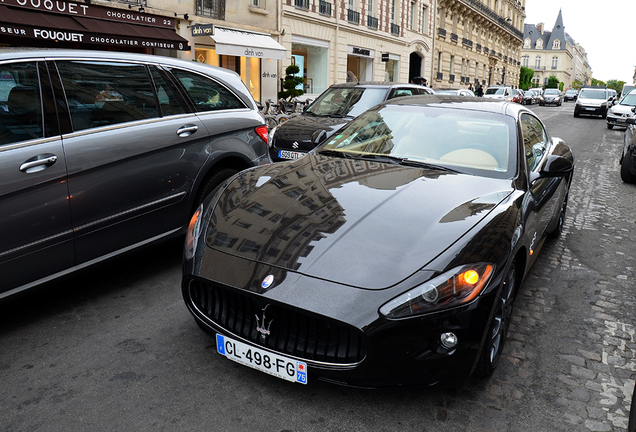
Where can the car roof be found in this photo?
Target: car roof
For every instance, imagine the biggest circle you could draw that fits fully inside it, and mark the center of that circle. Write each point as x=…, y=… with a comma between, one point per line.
x=375, y=84
x=496, y=106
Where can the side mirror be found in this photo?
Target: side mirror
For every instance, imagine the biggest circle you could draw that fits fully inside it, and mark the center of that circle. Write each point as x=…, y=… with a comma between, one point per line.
x=557, y=165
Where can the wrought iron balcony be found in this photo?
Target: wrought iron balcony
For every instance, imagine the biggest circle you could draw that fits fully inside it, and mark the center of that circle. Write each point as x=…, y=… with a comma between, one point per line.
x=372, y=22
x=441, y=32
x=440, y=76
x=395, y=29
x=302, y=4
x=211, y=8
x=324, y=8
x=467, y=42
x=353, y=16
x=454, y=37
x=478, y=47
x=503, y=22
x=451, y=78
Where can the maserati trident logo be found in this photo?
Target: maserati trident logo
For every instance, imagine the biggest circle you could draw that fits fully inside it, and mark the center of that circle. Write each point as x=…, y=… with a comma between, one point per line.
x=295, y=144
x=262, y=326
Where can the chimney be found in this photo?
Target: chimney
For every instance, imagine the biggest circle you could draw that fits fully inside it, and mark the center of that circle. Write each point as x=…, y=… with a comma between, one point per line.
x=540, y=27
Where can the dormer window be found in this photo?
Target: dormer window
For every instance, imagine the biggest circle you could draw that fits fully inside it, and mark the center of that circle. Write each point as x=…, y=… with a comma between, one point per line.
x=526, y=43
x=557, y=44
x=539, y=44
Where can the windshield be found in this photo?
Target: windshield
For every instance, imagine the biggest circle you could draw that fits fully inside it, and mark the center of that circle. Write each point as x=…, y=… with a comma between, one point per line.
x=630, y=100
x=571, y=91
x=350, y=101
x=551, y=92
x=463, y=140
x=495, y=91
x=593, y=94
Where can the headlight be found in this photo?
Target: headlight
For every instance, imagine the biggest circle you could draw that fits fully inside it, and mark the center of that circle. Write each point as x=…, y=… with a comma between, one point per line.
x=192, y=234
x=453, y=288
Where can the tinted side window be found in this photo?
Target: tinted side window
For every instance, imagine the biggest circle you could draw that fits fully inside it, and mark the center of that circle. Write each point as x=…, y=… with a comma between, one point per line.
x=207, y=94
x=403, y=92
x=169, y=102
x=534, y=140
x=20, y=104
x=106, y=93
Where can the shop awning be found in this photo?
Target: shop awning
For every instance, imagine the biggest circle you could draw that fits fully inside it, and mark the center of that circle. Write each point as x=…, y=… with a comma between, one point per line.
x=242, y=43
x=56, y=28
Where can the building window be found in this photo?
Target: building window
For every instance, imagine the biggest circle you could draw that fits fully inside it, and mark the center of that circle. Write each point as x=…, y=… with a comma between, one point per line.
x=393, y=11
x=424, y=19
x=539, y=44
x=557, y=44
x=439, y=62
x=370, y=8
x=525, y=61
x=537, y=62
x=412, y=16
x=256, y=3
x=555, y=62
x=452, y=65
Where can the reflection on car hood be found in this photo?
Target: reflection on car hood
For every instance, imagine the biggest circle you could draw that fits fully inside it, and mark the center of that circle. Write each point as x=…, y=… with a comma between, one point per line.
x=622, y=109
x=354, y=222
x=301, y=128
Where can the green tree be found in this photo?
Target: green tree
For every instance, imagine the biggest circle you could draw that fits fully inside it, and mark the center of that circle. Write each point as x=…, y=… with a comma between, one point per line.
x=615, y=84
x=290, y=83
x=561, y=84
x=599, y=83
x=576, y=85
x=553, y=82
x=525, y=78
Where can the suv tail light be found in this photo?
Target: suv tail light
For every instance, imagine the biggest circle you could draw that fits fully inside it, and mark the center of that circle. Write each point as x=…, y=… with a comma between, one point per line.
x=262, y=132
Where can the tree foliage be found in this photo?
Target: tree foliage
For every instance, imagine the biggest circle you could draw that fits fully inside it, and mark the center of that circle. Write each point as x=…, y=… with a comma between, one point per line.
x=290, y=83
x=599, y=83
x=553, y=82
x=615, y=84
x=525, y=78
x=576, y=85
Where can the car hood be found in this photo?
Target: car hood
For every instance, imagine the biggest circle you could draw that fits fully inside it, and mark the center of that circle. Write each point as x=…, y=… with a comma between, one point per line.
x=622, y=109
x=358, y=223
x=300, y=130
x=592, y=102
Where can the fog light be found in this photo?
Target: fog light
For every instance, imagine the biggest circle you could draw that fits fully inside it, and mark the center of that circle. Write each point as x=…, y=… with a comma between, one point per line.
x=448, y=340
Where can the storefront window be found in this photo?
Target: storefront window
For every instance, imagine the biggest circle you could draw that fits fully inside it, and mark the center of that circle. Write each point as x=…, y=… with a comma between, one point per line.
x=315, y=62
x=391, y=73
x=249, y=68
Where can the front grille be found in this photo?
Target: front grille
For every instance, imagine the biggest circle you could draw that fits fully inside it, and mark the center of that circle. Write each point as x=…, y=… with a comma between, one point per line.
x=292, y=332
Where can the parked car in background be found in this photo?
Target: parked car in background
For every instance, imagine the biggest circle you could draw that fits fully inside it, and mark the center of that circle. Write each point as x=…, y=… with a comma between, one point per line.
x=538, y=93
x=613, y=98
x=103, y=152
x=628, y=155
x=570, y=95
x=455, y=92
x=552, y=96
x=502, y=92
x=517, y=96
x=333, y=109
x=592, y=101
x=618, y=113
x=336, y=266
x=627, y=89
x=530, y=98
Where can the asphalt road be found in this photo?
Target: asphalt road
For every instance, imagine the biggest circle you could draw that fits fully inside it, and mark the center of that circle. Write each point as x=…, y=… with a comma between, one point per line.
x=113, y=348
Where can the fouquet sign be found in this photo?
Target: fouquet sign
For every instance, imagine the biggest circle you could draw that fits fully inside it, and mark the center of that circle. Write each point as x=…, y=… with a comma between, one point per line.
x=92, y=11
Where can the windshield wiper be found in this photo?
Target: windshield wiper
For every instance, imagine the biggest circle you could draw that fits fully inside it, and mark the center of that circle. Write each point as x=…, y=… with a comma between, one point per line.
x=407, y=162
x=336, y=153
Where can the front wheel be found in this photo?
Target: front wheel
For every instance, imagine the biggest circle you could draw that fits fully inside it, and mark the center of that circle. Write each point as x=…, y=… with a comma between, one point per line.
x=498, y=330
x=561, y=222
x=626, y=164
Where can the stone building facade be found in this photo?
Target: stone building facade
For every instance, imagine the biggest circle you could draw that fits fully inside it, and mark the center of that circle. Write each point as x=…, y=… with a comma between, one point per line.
x=478, y=42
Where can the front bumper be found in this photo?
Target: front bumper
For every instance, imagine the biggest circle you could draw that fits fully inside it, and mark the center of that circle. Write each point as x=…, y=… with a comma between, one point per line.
x=591, y=110
x=616, y=120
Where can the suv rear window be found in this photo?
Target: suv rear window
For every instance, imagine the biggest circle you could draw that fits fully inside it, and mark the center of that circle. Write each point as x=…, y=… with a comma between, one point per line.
x=206, y=94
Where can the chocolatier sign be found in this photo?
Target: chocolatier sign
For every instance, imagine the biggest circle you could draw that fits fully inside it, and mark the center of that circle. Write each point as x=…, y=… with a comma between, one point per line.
x=62, y=21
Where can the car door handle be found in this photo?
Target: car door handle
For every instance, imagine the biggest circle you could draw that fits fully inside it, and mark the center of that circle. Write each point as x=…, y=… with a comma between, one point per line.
x=187, y=130
x=41, y=162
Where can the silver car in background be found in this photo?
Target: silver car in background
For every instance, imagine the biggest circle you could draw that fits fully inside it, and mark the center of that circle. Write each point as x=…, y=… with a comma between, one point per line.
x=618, y=113
x=103, y=152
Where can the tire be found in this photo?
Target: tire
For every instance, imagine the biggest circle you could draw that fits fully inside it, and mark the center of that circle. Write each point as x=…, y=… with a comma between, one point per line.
x=576, y=114
x=559, y=228
x=626, y=163
x=212, y=183
x=498, y=330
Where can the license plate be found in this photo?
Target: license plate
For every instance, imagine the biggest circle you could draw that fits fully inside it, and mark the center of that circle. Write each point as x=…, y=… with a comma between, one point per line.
x=620, y=120
x=590, y=109
x=262, y=360
x=286, y=154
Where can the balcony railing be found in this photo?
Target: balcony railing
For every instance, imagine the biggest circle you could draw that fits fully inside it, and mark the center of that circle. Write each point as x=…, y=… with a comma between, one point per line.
x=353, y=16
x=395, y=29
x=302, y=4
x=324, y=8
x=372, y=22
x=478, y=47
x=454, y=37
x=451, y=78
x=467, y=42
x=440, y=76
x=441, y=32
x=211, y=8
x=134, y=2
x=503, y=22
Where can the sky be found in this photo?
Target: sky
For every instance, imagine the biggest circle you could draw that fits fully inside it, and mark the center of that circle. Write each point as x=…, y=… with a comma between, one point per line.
x=606, y=30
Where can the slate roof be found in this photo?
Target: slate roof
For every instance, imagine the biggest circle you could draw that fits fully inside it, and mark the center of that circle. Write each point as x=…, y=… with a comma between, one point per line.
x=548, y=37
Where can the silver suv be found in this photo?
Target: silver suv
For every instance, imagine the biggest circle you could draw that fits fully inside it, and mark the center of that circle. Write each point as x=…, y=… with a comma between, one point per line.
x=103, y=152
x=592, y=100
